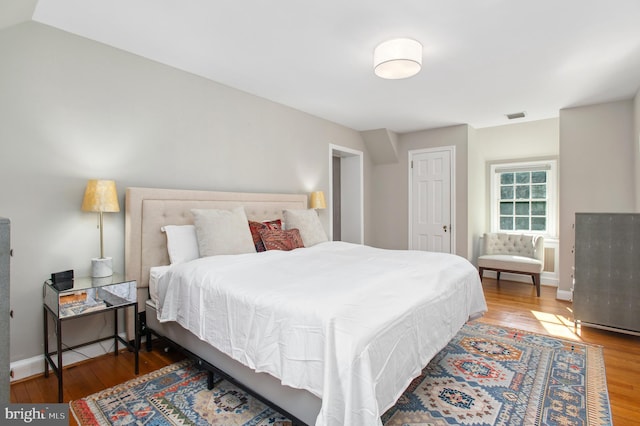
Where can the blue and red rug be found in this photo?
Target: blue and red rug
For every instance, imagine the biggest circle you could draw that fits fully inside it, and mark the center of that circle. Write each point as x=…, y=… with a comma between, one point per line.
x=486, y=375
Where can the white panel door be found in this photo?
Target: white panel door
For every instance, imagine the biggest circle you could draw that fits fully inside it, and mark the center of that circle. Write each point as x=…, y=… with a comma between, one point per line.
x=431, y=201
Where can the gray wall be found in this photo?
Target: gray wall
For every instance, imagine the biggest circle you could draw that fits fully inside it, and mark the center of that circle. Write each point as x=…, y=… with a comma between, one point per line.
x=636, y=143
x=390, y=188
x=72, y=109
x=597, y=169
x=478, y=205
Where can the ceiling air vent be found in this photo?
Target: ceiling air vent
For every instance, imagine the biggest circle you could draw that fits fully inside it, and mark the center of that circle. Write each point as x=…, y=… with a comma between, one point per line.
x=515, y=115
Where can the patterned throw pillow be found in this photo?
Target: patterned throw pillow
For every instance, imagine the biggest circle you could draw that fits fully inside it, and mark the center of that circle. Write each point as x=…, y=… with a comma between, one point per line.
x=255, y=228
x=280, y=239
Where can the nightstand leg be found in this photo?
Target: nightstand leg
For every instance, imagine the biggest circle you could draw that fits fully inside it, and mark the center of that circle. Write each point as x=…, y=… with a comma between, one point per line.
x=136, y=337
x=115, y=334
x=59, y=348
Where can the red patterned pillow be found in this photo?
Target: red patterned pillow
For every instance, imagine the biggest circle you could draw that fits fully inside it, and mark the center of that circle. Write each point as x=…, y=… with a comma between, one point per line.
x=280, y=239
x=296, y=238
x=255, y=228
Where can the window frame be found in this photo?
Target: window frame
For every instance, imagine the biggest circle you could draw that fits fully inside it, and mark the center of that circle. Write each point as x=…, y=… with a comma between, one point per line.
x=551, y=166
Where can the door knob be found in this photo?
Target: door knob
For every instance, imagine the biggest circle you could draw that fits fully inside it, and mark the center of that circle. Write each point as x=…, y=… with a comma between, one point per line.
x=444, y=228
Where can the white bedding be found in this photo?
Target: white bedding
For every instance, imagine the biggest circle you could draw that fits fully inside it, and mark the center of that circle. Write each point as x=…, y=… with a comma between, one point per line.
x=351, y=324
x=154, y=275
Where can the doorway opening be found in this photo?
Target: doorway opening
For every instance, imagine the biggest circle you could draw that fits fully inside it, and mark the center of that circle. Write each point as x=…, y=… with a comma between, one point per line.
x=347, y=194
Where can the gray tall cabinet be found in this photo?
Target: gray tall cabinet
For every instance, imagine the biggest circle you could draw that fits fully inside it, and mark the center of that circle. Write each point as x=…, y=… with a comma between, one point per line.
x=607, y=270
x=5, y=252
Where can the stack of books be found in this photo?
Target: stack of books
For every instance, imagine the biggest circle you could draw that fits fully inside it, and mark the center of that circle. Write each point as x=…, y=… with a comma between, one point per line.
x=78, y=303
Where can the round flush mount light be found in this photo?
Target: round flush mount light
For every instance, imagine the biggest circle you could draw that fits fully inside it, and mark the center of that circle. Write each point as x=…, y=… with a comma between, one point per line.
x=397, y=58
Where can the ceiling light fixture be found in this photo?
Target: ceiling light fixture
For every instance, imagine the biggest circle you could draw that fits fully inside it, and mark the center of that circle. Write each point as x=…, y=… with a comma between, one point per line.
x=397, y=58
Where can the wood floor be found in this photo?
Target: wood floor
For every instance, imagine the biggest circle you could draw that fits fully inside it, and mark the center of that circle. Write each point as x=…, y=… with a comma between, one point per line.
x=510, y=304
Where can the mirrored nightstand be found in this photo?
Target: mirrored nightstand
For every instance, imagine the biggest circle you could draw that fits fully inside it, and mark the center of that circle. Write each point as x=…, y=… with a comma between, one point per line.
x=81, y=297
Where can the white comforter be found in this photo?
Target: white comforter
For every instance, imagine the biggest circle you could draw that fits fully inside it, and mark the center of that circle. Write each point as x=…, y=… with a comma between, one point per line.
x=351, y=324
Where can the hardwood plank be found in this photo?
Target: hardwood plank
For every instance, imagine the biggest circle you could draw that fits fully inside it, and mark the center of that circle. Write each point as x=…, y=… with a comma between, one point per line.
x=19, y=392
x=511, y=304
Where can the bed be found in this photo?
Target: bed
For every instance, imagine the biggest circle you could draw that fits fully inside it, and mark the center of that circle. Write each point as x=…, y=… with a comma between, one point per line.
x=331, y=334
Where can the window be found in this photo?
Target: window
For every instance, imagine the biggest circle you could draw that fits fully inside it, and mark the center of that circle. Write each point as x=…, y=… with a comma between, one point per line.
x=523, y=197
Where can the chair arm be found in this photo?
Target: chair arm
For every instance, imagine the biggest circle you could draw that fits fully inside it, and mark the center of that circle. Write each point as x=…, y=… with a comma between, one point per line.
x=539, y=249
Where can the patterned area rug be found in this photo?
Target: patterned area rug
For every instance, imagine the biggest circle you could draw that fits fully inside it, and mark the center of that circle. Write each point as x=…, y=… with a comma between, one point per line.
x=491, y=375
x=174, y=395
x=487, y=375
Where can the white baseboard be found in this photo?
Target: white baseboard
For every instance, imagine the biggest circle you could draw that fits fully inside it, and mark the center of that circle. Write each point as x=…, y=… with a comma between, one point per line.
x=564, y=295
x=24, y=368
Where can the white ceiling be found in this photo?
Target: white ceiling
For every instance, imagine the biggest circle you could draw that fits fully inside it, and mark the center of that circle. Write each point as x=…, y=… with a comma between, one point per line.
x=482, y=59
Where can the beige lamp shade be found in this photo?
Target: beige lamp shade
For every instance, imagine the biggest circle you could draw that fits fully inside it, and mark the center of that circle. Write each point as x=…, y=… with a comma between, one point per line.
x=317, y=200
x=100, y=196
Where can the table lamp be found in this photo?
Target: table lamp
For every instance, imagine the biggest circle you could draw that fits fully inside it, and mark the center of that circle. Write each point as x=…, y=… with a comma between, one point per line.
x=317, y=200
x=101, y=196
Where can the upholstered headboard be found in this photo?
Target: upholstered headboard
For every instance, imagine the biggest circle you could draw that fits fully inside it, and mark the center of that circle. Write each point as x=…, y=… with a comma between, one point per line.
x=148, y=209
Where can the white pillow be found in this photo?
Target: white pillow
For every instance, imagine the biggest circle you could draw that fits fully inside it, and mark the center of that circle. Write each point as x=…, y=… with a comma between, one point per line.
x=308, y=223
x=223, y=232
x=182, y=243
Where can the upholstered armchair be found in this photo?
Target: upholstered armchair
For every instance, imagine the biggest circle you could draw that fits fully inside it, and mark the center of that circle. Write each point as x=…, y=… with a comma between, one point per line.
x=515, y=253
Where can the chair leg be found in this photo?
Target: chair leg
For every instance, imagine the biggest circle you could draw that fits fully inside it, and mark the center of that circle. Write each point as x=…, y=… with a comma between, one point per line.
x=498, y=275
x=536, y=282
